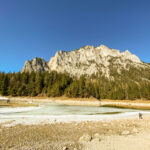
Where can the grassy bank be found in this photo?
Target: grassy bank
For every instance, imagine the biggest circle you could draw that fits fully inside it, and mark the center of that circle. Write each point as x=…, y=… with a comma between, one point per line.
x=131, y=104
x=128, y=106
x=27, y=101
x=17, y=104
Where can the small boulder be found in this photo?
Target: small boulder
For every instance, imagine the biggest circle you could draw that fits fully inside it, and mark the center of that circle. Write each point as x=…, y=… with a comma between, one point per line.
x=96, y=135
x=65, y=148
x=85, y=138
x=125, y=133
x=96, y=138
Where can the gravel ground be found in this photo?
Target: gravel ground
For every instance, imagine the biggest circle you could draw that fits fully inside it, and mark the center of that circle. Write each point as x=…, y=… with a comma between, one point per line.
x=125, y=134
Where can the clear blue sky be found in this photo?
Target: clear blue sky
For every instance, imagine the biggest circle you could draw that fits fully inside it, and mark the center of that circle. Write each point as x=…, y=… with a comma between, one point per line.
x=38, y=28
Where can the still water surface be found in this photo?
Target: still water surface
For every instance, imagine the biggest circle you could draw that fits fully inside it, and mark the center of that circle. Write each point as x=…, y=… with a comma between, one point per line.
x=52, y=113
x=57, y=109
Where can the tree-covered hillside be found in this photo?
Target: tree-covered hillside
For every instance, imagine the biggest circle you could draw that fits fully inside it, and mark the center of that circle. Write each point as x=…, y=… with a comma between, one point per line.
x=129, y=84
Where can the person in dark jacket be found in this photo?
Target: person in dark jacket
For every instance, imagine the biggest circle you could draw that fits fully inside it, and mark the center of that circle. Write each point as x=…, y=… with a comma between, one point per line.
x=140, y=116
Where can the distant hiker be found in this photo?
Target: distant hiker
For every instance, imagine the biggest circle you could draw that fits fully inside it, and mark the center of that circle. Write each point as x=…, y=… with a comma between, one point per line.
x=140, y=116
x=8, y=101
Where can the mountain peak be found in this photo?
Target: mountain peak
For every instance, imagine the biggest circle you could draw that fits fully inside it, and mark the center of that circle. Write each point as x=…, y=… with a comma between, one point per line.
x=127, y=52
x=104, y=47
x=36, y=65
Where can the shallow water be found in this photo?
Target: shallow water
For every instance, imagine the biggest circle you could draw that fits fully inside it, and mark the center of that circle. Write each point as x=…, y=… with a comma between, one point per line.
x=58, y=109
x=54, y=111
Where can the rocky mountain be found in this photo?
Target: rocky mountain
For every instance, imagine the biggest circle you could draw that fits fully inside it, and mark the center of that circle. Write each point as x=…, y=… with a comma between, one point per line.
x=87, y=60
x=36, y=65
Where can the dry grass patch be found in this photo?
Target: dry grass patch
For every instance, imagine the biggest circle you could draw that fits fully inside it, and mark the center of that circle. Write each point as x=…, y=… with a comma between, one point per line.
x=127, y=101
x=128, y=106
x=17, y=104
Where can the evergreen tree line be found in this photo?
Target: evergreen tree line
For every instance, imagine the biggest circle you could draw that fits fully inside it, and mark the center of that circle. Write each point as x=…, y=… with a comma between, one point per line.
x=123, y=86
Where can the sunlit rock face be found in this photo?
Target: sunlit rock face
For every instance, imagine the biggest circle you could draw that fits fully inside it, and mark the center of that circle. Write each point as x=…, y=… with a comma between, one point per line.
x=90, y=60
x=86, y=60
x=35, y=65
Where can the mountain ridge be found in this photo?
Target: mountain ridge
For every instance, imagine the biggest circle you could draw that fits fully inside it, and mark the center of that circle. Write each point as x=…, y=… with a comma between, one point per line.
x=87, y=60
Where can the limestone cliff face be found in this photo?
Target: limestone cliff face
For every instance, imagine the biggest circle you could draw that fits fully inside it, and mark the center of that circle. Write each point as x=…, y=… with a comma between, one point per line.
x=86, y=60
x=90, y=60
x=36, y=65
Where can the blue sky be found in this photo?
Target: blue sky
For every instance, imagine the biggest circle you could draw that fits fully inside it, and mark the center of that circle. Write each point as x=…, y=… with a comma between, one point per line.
x=39, y=28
